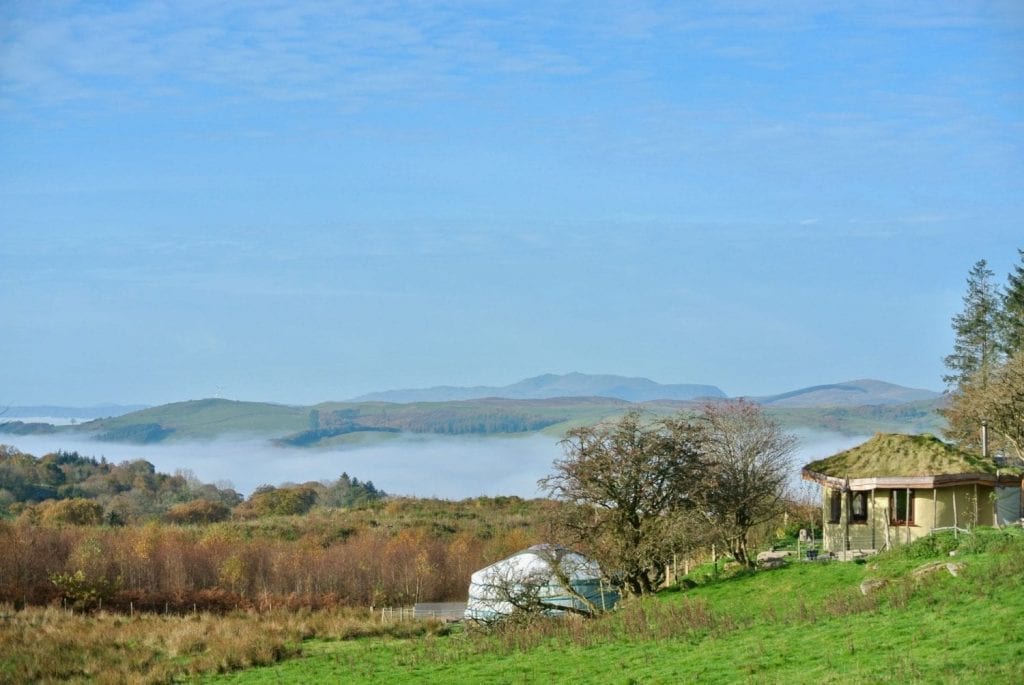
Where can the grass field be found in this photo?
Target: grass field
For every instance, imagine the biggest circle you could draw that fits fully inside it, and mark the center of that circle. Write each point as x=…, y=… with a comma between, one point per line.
x=808, y=622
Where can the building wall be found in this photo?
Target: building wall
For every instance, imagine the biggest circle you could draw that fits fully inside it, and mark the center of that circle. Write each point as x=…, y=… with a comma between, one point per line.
x=932, y=508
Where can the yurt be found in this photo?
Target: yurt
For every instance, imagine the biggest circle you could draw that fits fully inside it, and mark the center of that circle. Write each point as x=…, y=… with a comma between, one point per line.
x=534, y=580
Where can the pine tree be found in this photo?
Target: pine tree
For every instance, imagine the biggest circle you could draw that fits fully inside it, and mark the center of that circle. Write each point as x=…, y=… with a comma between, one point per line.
x=976, y=351
x=1011, y=318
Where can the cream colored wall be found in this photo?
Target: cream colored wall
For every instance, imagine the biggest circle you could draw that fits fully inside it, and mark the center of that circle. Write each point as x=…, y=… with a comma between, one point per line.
x=932, y=509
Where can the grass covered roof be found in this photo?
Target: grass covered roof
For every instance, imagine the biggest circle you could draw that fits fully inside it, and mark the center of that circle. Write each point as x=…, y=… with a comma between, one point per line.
x=898, y=455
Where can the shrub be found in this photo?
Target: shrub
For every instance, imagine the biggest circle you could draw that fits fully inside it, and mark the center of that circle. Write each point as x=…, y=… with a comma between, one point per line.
x=271, y=501
x=84, y=592
x=76, y=512
x=198, y=511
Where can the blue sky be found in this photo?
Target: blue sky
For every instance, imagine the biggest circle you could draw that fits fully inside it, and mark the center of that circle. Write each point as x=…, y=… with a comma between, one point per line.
x=297, y=202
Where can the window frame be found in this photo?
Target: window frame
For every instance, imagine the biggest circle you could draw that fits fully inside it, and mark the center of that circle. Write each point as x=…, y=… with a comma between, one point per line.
x=861, y=517
x=894, y=504
x=835, y=513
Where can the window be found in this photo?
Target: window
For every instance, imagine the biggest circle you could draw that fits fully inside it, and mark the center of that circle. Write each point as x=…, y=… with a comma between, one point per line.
x=835, y=511
x=859, y=507
x=901, y=507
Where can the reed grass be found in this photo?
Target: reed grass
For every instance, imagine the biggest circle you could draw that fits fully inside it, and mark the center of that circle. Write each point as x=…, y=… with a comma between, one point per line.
x=53, y=645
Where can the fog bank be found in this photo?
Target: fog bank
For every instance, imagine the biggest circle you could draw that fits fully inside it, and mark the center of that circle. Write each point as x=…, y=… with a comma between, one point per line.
x=422, y=465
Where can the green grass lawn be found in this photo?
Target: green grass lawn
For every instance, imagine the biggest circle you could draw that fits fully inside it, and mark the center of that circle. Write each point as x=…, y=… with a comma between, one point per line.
x=807, y=622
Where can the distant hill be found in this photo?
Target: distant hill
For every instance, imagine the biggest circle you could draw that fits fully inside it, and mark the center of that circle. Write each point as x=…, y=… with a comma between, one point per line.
x=48, y=411
x=197, y=419
x=856, y=393
x=551, y=385
x=859, y=407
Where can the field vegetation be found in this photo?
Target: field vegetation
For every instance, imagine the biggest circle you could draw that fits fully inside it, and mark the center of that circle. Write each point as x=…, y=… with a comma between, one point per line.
x=392, y=552
x=805, y=622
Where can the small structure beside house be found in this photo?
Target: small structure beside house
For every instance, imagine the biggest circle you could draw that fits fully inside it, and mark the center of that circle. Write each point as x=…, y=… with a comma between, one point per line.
x=894, y=489
x=545, y=579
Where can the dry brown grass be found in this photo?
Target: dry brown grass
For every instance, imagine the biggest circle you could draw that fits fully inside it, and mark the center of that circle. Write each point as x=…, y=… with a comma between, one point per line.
x=50, y=645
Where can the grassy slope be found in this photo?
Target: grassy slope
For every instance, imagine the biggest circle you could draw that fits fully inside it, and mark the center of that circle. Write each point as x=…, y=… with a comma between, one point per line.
x=201, y=419
x=804, y=623
x=205, y=419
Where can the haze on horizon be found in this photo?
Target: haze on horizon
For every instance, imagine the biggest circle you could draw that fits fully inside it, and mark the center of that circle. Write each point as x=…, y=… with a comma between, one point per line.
x=299, y=202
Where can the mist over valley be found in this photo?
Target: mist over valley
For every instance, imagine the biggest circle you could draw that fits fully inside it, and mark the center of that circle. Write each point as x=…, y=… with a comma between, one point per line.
x=446, y=467
x=431, y=446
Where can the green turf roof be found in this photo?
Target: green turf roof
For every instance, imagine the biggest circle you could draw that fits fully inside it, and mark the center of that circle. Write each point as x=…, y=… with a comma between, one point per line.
x=898, y=455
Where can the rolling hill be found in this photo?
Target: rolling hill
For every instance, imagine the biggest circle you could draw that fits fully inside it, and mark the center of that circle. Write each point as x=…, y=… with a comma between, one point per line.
x=849, y=394
x=854, y=408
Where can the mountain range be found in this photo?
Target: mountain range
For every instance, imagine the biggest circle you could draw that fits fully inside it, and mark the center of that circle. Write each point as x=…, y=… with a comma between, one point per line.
x=553, y=385
x=846, y=394
x=544, y=404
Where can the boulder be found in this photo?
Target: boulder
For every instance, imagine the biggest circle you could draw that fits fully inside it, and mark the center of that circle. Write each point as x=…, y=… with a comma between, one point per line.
x=869, y=585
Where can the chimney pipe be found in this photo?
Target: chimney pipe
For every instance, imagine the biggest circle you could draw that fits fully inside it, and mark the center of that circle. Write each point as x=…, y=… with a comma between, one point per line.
x=984, y=439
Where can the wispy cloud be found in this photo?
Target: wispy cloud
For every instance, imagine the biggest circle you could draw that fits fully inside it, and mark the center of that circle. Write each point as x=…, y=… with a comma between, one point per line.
x=275, y=51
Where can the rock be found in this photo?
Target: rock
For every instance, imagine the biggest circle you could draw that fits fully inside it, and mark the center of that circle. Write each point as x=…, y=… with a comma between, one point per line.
x=768, y=564
x=767, y=556
x=931, y=567
x=870, y=585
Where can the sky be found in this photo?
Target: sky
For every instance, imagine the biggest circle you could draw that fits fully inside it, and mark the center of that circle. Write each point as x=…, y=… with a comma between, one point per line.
x=298, y=202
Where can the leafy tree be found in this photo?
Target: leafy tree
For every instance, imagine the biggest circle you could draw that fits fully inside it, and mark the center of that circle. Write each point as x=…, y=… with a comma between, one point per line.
x=348, y=491
x=626, y=488
x=999, y=405
x=976, y=349
x=83, y=591
x=198, y=511
x=747, y=462
x=76, y=512
x=285, y=501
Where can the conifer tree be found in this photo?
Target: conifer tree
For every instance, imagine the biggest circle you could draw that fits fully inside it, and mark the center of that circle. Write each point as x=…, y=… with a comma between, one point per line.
x=1011, y=318
x=976, y=351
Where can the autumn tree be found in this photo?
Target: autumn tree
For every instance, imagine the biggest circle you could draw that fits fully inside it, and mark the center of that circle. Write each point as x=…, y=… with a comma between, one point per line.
x=75, y=511
x=198, y=511
x=266, y=500
x=747, y=460
x=626, y=490
x=999, y=406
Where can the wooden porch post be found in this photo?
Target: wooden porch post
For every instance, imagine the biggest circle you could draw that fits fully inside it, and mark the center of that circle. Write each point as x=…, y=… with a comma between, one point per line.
x=910, y=505
x=874, y=523
x=956, y=522
x=976, y=522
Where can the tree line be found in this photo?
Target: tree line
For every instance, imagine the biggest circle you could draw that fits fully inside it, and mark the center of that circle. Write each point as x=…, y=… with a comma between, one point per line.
x=67, y=487
x=985, y=382
x=389, y=553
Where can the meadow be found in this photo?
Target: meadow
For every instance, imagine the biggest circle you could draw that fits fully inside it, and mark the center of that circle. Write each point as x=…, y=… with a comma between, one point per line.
x=805, y=622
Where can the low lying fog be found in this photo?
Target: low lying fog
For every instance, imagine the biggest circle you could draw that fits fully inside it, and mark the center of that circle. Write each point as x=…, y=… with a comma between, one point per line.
x=421, y=466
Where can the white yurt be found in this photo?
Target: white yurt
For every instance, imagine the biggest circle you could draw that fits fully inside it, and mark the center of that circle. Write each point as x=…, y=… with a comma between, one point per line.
x=529, y=581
